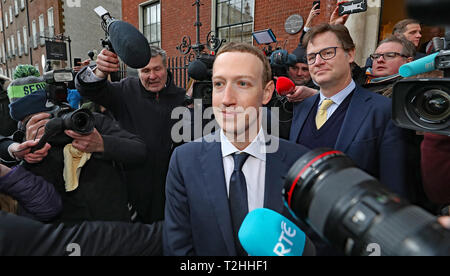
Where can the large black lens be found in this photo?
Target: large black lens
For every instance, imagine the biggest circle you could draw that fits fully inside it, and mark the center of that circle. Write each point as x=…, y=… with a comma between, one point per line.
x=433, y=106
x=81, y=121
x=353, y=211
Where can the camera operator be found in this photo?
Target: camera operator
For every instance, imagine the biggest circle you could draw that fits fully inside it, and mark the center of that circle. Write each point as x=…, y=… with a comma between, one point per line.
x=391, y=53
x=436, y=167
x=85, y=169
x=142, y=106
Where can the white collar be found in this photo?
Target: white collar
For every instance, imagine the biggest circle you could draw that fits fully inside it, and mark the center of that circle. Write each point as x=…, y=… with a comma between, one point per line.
x=257, y=148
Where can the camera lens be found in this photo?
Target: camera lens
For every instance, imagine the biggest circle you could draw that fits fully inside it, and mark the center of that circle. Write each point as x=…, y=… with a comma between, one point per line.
x=81, y=121
x=433, y=106
x=355, y=213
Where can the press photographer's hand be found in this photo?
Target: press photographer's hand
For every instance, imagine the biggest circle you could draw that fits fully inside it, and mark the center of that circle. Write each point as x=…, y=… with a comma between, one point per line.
x=107, y=62
x=35, y=127
x=87, y=143
x=22, y=151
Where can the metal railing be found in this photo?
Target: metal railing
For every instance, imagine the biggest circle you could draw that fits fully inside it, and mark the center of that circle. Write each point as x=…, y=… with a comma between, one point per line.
x=178, y=67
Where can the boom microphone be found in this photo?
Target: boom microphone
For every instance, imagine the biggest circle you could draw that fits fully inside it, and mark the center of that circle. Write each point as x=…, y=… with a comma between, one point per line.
x=126, y=41
x=285, y=86
x=266, y=233
x=420, y=66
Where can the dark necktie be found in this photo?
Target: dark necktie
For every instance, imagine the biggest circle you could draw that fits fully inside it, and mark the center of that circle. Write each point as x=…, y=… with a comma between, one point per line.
x=238, y=198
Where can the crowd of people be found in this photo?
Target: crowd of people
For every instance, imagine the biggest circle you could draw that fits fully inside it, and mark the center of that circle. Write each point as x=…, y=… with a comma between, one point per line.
x=130, y=187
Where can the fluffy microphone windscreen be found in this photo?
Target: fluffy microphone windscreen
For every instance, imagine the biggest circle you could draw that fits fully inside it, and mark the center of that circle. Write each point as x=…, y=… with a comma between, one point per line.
x=284, y=86
x=129, y=44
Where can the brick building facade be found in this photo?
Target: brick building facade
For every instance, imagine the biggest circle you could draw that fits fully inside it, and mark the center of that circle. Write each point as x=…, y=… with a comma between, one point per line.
x=23, y=23
x=178, y=18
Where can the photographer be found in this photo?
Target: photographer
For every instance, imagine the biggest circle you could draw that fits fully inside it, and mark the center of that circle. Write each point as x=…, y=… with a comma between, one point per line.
x=142, y=106
x=95, y=190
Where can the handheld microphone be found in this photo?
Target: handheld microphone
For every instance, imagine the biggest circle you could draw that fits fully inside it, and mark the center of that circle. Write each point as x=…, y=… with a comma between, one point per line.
x=284, y=86
x=420, y=66
x=266, y=233
x=125, y=40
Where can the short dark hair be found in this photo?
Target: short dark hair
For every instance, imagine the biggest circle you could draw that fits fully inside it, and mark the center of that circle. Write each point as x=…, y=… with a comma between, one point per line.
x=248, y=48
x=339, y=30
x=400, y=27
x=409, y=49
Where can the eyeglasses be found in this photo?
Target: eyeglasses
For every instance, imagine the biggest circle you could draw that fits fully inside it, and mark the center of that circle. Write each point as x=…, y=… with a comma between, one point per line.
x=387, y=56
x=325, y=54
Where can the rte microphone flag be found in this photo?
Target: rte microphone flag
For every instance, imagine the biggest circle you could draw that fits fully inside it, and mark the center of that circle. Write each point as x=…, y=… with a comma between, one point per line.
x=266, y=233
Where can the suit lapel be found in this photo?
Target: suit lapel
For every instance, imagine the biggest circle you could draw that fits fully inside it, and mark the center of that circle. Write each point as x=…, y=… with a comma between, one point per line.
x=354, y=118
x=275, y=169
x=214, y=179
x=301, y=112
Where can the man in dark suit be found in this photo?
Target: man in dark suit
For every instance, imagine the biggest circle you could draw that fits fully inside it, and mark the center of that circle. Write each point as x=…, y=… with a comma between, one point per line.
x=345, y=116
x=214, y=182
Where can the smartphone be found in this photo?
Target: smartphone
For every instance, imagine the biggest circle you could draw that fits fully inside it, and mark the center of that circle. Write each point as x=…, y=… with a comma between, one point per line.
x=316, y=2
x=77, y=61
x=352, y=7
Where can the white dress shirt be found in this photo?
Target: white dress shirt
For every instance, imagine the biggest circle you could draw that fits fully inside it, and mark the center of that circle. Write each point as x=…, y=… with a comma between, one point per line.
x=337, y=98
x=254, y=168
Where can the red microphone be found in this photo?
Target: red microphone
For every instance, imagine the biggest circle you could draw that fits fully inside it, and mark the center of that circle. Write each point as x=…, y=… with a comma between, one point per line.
x=285, y=86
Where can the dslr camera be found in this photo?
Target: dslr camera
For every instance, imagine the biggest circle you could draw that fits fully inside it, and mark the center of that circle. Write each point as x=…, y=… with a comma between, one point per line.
x=63, y=116
x=355, y=213
x=424, y=104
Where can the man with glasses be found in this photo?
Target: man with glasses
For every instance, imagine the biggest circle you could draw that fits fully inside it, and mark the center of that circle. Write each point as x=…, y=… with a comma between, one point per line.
x=391, y=53
x=345, y=116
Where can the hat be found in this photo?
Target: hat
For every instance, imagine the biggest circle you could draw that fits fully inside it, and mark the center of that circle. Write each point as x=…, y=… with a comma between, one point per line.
x=300, y=54
x=27, y=96
x=30, y=104
x=25, y=70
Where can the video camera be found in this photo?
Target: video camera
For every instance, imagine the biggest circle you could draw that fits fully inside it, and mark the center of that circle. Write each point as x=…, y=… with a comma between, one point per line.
x=63, y=116
x=355, y=213
x=201, y=71
x=424, y=104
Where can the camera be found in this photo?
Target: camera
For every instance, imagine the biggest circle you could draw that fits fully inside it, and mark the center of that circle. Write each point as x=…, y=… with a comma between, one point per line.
x=201, y=71
x=354, y=212
x=280, y=61
x=424, y=104
x=63, y=116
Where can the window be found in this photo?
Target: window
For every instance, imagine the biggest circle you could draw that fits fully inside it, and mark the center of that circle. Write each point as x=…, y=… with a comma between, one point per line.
x=41, y=29
x=51, y=23
x=1, y=24
x=6, y=20
x=9, y=47
x=22, y=4
x=25, y=40
x=152, y=23
x=234, y=20
x=34, y=32
x=16, y=7
x=10, y=15
x=13, y=45
x=19, y=43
